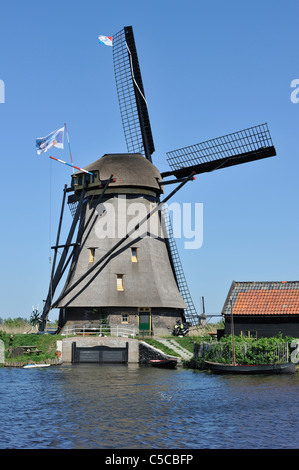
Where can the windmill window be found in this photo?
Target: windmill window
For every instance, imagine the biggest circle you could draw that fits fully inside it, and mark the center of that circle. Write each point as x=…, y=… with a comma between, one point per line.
x=125, y=318
x=77, y=180
x=91, y=255
x=134, y=258
x=89, y=178
x=120, y=282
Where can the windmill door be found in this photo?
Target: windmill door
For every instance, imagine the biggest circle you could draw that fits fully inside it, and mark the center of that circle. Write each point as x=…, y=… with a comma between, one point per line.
x=145, y=320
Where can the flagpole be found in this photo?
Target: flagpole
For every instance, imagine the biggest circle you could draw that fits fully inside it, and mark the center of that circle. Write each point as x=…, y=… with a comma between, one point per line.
x=66, y=163
x=68, y=140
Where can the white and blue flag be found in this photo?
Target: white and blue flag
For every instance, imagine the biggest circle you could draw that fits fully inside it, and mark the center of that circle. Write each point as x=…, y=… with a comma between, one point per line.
x=55, y=139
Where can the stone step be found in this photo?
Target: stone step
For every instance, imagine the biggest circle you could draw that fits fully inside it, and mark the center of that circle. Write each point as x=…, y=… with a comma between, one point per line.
x=185, y=351
x=172, y=344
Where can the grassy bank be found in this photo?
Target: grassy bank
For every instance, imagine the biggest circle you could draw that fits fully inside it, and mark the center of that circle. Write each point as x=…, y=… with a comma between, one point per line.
x=44, y=343
x=156, y=344
x=186, y=342
x=16, y=335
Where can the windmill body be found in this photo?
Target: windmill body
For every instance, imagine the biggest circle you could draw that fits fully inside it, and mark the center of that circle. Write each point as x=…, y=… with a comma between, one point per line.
x=135, y=286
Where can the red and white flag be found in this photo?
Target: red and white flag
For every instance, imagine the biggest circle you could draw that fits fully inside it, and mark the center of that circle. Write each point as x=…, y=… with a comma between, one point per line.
x=107, y=40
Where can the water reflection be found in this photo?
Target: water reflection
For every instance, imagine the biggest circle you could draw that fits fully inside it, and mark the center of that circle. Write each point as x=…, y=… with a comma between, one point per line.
x=131, y=406
x=120, y=406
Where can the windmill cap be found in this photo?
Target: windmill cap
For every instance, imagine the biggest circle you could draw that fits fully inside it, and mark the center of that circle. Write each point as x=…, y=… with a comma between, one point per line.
x=129, y=169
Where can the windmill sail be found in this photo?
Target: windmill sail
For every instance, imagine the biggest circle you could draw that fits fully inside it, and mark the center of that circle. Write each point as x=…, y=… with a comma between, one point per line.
x=243, y=146
x=190, y=312
x=131, y=97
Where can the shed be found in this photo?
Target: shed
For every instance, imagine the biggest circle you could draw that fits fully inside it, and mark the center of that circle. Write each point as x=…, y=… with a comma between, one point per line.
x=263, y=309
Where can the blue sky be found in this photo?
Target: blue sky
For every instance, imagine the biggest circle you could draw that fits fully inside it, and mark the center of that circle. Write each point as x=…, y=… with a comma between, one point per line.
x=208, y=68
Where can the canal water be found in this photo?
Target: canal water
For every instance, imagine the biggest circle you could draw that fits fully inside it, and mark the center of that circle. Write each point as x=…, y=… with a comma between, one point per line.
x=90, y=406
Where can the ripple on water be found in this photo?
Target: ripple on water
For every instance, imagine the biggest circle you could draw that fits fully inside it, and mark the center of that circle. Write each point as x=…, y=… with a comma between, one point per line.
x=110, y=407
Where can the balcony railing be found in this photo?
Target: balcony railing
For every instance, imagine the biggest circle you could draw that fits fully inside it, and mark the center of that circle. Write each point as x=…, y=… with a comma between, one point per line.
x=103, y=330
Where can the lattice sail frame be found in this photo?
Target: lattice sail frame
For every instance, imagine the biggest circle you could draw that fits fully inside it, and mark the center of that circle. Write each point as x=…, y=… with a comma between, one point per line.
x=190, y=312
x=239, y=147
x=131, y=97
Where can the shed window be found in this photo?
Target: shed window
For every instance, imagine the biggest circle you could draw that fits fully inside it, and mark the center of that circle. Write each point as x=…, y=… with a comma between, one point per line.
x=120, y=282
x=134, y=258
x=249, y=334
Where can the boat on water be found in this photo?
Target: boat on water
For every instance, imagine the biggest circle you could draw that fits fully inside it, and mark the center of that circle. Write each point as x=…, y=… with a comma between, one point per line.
x=31, y=366
x=164, y=363
x=222, y=368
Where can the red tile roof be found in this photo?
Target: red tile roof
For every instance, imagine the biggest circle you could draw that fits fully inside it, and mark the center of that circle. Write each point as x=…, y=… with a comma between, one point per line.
x=273, y=302
x=263, y=298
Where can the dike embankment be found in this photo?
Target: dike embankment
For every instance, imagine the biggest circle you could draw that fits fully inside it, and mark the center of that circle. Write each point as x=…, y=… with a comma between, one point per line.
x=56, y=351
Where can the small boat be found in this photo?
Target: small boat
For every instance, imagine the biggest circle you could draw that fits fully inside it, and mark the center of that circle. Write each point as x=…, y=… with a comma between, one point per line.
x=221, y=368
x=31, y=366
x=165, y=363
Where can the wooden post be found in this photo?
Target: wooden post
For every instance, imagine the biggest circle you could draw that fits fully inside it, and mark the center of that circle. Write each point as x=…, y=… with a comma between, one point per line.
x=73, y=352
x=56, y=278
x=233, y=334
x=58, y=232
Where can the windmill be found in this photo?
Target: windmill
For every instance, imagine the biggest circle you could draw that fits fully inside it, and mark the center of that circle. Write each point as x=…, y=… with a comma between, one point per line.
x=132, y=277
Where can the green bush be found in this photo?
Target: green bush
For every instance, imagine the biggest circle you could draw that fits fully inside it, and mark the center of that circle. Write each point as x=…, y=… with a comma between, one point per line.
x=249, y=351
x=5, y=338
